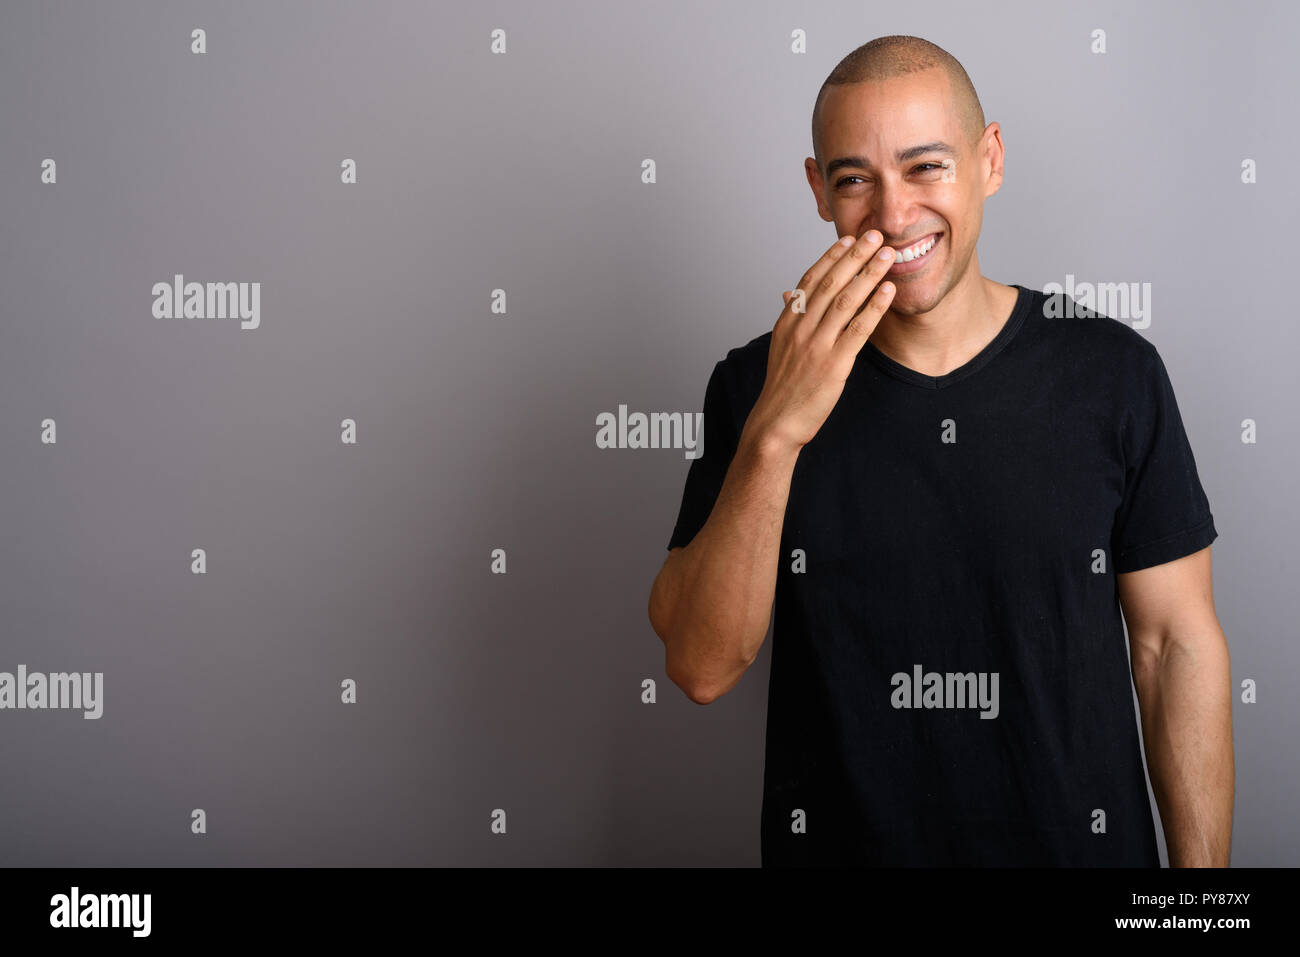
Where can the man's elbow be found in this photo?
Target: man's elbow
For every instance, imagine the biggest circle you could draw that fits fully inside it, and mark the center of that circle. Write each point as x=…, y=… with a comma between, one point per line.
x=658, y=609
x=683, y=671
x=692, y=687
x=705, y=687
x=700, y=696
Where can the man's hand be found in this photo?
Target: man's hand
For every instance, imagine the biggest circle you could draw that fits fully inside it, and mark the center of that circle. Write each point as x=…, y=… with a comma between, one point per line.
x=817, y=338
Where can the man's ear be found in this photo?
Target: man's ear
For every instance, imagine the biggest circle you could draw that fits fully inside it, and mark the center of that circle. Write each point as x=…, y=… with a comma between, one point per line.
x=817, y=184
x=993, y=154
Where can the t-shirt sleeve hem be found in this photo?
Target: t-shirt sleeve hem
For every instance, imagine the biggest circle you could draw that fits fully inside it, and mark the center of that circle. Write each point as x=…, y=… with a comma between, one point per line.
x=1167, y=549
x=679, y=539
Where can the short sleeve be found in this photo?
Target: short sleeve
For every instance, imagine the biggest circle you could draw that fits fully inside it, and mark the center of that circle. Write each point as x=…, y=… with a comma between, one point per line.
x=706, y=473
x=1164, y=514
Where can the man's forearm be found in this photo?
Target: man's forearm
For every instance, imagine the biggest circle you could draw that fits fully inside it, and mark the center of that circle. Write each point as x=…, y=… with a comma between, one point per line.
x=1185, y=698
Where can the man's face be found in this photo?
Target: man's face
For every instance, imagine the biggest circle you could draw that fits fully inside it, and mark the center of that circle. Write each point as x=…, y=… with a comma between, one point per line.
x=917, y=195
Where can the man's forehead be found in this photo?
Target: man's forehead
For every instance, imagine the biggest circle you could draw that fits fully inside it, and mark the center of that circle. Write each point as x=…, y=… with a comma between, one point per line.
x=888, y=117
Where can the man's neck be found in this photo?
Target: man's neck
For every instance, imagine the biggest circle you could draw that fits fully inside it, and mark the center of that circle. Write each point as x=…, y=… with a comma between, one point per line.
x=954, y=332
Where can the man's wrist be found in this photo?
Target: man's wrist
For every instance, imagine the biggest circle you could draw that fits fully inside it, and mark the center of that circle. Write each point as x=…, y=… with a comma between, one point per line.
x=768, y=447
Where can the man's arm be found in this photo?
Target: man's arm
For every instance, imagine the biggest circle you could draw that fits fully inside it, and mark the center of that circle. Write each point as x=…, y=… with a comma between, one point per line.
x=711, y=603
x=1181, y=671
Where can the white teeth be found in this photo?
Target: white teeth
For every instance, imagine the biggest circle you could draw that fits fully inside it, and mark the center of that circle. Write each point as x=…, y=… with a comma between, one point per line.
x=913, y=252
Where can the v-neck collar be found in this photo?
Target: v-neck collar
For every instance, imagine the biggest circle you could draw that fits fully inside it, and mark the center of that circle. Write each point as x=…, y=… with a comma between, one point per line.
x=1009, y=328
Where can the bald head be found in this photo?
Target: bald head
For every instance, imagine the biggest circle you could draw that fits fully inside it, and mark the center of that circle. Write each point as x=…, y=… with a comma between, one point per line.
x=885, y=58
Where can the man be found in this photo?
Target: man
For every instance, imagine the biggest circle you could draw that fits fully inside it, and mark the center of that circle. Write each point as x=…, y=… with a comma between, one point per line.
x=950, y=516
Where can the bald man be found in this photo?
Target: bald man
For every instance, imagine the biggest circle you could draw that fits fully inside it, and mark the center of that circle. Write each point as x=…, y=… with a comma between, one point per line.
x=952, y=492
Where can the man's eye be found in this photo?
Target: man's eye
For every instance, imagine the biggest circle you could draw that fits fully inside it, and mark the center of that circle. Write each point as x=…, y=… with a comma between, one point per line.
x=924, y=167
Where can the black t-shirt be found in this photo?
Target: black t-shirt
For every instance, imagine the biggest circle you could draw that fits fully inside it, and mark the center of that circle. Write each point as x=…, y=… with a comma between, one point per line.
x=950, y=681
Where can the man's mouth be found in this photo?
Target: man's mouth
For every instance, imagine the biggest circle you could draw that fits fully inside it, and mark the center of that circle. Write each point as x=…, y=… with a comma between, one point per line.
x=912, y=257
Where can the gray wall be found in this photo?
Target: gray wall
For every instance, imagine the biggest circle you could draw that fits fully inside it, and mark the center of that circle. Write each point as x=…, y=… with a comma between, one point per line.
x=521, y=172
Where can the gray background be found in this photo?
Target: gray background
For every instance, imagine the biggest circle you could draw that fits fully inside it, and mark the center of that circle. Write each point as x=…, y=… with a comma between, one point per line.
x=476, y=431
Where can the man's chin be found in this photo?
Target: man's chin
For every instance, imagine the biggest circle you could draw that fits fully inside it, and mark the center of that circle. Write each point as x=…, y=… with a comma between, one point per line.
x=915, y=298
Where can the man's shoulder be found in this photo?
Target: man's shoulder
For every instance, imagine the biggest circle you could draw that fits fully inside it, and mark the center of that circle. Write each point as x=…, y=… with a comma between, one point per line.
x=1081, y=333
x=747, y=363
x=753, y=352
x=740, y=374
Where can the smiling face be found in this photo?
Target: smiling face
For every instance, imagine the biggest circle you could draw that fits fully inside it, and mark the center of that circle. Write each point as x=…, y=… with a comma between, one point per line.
x=899, y=159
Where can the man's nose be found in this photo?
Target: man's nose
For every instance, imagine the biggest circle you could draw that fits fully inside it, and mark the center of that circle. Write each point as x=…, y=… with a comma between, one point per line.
x=892, y=210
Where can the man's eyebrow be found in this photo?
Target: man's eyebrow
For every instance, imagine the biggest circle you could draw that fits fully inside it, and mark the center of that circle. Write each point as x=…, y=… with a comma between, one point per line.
x=911, y=153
